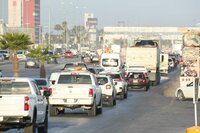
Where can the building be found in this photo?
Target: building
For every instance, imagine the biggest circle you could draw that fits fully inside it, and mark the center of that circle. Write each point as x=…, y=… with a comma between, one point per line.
x=90, y=23
x=25, y=14
x=3, y=28
x=170, y=37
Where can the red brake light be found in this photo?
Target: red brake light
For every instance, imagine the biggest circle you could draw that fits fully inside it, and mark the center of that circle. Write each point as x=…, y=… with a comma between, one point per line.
x=90, y=92
x=26, y=104
x=50, y=90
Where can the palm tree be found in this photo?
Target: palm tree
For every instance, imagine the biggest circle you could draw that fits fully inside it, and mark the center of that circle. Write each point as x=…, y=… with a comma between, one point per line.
x=41, y=56
x=80, y=34
x=63, y=27
x=14, y=42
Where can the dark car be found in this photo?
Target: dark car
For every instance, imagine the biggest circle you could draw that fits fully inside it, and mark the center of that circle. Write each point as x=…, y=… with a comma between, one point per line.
x=137, y=81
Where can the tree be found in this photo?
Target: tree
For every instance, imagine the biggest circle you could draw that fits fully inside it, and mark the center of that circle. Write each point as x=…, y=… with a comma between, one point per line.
x=41, y=56
x=14, y=42
x=80, y=34
x=63, y=27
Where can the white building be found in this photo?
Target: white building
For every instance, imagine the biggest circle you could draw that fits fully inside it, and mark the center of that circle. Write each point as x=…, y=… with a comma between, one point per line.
x=3, y=28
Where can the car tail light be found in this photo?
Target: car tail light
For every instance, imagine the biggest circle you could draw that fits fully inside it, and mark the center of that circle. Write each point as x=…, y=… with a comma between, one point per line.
x=144, y=81
x=145, y=74
x=45, y=89
x=108, y=86
x=50, y=90
x=91, y=92
x=118, y=79
x=26, y=104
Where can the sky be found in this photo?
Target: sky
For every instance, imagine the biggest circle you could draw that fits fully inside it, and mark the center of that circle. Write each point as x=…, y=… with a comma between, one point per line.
x=111, y=12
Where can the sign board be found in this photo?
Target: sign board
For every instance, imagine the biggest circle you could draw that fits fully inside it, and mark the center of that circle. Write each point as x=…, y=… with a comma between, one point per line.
x=196, y=90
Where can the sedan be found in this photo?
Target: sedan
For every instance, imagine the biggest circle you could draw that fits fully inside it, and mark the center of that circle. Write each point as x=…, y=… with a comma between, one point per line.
x=31, y=63
x=185, y=92
x=68, y=54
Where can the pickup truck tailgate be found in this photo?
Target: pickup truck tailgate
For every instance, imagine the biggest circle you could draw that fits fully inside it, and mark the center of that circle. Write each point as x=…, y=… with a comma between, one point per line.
x=79, y=91
x=11, y=105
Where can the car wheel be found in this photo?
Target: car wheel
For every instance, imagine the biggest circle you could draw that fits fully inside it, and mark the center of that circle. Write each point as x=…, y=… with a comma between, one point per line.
x=100, y=107
x=32, y=127
x=122, y=95
x=180, y=95
x=62, y=111
x=44, y=128
x=53, y=111
x=111, y=102
x=93, y=110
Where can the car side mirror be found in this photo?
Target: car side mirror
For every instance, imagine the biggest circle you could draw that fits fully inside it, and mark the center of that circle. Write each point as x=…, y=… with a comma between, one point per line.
x=53, y=82
x=46, y=93
x=115, y=83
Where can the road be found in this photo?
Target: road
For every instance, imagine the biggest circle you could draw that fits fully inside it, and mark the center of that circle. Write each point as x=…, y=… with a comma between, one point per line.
x=142, y=112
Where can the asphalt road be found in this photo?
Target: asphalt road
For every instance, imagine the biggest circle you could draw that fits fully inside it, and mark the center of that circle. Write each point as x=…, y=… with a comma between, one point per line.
x=142, y=112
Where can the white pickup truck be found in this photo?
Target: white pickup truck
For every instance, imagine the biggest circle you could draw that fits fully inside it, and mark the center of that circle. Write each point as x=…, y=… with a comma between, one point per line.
x=75, y=89
x=22, y=105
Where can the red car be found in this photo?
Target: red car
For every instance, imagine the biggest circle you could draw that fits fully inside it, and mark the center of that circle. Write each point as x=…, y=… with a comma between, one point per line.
x=137, y=80
x=68, y=54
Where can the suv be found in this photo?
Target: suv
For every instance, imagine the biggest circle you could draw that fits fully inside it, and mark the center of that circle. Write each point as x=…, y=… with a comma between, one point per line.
x=23, y=105
x=75, y=89
x=120, y=83
x=137, y=80
x=108, y=89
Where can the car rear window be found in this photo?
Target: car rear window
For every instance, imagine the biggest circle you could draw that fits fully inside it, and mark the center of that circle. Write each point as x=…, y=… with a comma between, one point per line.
x=15, y=88
x=41, y=82
x=115, y=76
x=102, y=80
x=135, y=75
x=74, y=79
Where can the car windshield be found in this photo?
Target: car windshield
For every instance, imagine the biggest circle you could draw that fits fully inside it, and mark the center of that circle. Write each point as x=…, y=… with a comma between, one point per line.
x=74, y=79
x=110, y=62
x=14, y=88
x=40, y=82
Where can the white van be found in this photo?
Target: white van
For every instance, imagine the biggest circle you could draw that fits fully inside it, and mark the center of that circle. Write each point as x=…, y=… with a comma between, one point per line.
x=110, y=61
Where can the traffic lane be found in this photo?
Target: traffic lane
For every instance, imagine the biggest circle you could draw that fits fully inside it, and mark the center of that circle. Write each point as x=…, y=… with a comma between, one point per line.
x=142, y=112
x=35, y=72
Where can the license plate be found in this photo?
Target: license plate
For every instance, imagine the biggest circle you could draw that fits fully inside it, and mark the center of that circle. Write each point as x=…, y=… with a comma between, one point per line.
x=69, y=100
x=1, y=118
x=135, y=81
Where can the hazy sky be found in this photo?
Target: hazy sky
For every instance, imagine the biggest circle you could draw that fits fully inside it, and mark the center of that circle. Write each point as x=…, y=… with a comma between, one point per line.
x=132, y=12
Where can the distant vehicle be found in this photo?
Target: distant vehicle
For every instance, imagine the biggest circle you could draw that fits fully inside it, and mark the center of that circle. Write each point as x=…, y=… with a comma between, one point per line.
x=108, y=89
x=31, y=63
x=68, y=54
x=95, y=58
x=185, y=92
x=137, y=69
x=164, y=63
x=137, y=81
x=1, y=75
x=110, y=61
x=74, y=52
x=5, y=53
x=21, y=55
x=87, y=59
x=71, y=66
x=2, y=57
x=93, y=70
x=120, y=83
x=145, y=53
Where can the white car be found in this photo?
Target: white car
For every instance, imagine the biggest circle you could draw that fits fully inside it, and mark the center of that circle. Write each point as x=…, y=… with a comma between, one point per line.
x=2, y=57
x=120, y=83
x=108, y=89
x=75, y=89
x=185, y=92
x=23, y=105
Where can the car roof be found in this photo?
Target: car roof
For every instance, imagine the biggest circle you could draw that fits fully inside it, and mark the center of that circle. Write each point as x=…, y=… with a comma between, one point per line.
x=17, y=79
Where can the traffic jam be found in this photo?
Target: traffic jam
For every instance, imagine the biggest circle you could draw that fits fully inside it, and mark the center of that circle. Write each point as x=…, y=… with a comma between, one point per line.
x=90, y=84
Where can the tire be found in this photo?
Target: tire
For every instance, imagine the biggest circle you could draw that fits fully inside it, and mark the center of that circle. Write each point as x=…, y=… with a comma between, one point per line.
x=100, y=107
x=180, y=95
x=52, y=111
x=111, y=102
x=32, y=127
x=93, y=110
x=122, y=95
x=146, y=88
x=44, y=129
x=126, y=95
